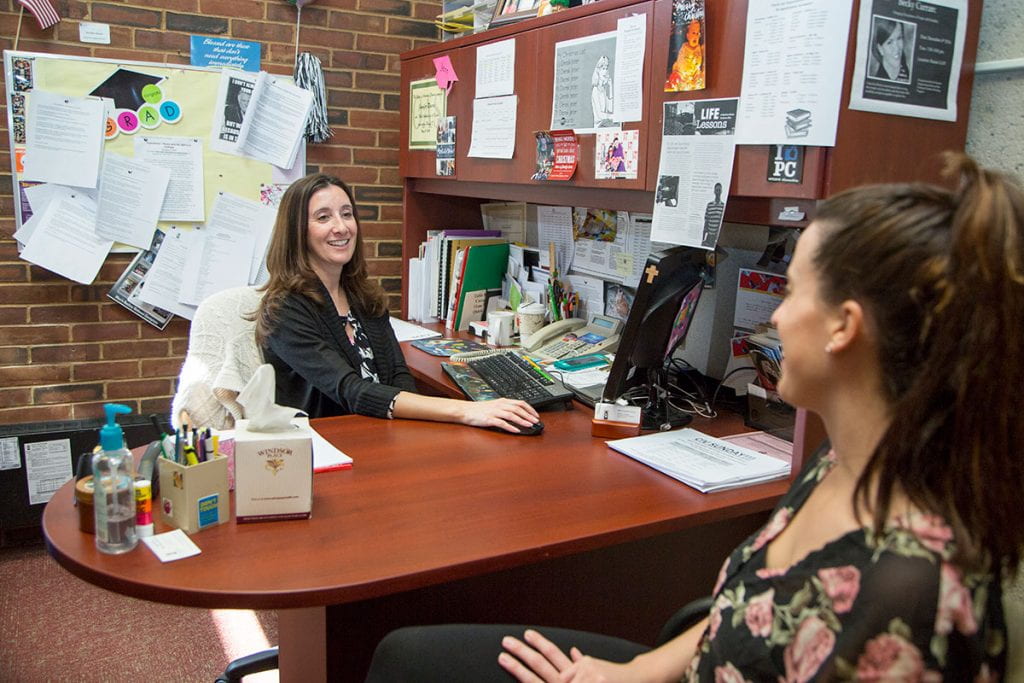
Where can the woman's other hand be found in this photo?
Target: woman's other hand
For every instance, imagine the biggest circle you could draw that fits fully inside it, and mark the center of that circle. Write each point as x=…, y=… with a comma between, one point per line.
x=538, y=659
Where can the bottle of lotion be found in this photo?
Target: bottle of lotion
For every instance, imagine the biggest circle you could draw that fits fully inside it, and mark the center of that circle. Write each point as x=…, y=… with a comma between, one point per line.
x=114, y=487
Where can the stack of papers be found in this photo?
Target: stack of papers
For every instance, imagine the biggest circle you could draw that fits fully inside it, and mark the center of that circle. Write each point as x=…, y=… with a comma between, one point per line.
x=701, y=461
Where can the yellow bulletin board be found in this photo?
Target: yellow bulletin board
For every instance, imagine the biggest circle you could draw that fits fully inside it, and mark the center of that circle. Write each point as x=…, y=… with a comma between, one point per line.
x=194, y=89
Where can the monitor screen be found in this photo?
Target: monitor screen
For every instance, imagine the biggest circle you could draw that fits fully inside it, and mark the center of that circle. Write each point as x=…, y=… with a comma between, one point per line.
x=681, y=324
x=659, y=319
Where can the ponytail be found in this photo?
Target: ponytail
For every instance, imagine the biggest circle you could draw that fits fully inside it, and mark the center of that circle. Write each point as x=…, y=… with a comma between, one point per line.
x=942, y=274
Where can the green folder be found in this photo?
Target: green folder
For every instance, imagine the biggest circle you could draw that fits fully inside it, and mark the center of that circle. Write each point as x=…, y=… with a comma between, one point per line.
x=483, y=268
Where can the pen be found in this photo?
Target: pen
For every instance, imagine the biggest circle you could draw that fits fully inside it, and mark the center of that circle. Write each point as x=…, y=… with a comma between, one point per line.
x=177, y=446
x=160, y=434
x=167, y=447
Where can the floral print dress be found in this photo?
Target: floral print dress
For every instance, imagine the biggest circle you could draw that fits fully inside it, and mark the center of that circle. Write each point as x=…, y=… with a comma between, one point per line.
x=860, y=608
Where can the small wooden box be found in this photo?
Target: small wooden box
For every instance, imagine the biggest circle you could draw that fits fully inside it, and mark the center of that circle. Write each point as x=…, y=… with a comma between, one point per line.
x=194, y=497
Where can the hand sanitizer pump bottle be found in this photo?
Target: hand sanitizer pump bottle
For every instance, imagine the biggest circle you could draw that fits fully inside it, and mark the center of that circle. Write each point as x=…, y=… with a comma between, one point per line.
x=114, y=496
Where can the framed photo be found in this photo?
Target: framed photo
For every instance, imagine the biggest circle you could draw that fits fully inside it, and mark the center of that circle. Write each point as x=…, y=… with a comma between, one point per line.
x=509, y=11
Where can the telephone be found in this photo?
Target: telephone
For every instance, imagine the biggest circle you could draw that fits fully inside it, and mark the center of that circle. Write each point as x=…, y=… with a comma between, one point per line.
x=574, y=337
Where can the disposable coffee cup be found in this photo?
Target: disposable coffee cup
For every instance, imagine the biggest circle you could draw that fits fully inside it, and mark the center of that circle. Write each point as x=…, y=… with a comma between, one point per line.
x=499, y=327
x=531, y=319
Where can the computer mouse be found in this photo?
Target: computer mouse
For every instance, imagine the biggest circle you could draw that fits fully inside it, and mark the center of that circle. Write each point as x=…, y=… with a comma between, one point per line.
x=533, y=430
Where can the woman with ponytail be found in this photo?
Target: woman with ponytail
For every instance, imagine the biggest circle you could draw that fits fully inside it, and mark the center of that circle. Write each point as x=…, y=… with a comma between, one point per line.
x=903, y=329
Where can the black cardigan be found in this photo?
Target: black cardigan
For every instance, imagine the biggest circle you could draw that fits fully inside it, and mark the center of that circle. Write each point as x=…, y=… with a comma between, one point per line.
x=317, y=367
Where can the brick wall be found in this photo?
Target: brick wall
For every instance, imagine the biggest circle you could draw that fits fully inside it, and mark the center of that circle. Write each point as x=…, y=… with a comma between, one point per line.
x=65, y=349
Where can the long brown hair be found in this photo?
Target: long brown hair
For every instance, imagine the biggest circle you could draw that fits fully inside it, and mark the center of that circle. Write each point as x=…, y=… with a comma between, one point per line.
x=942, y=275
x=288, y=258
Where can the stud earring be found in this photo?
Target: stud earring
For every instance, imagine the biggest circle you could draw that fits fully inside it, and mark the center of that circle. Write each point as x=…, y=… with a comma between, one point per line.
x=829, y=348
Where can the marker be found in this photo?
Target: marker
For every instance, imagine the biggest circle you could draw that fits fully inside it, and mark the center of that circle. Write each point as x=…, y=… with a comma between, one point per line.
x=190, y=455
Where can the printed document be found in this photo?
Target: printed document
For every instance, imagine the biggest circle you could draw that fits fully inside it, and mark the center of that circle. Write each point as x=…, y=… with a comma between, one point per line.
x=183, y=159
x=554, y=225
x=628, y=82
x=496, y=68
x=792, y=55
x=701, y=461
x=261, y=117
x=163, y=282
x=277, y=125
x=39, y=197
x=48, y=467
x=131, y=194
x=326, y=456
x=583, y=96
x=494, y=127
x=171, y=545
x=63, y=139
x=405, y=331
x=918, y=71
x=698, y=144
x=223, y=256
x=64, y=240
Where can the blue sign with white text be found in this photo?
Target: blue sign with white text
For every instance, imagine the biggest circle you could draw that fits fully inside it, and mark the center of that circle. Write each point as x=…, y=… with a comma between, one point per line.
x=212, y=51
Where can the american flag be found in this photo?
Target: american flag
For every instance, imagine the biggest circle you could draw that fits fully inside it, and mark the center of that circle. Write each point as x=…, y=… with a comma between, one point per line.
x=43, y=11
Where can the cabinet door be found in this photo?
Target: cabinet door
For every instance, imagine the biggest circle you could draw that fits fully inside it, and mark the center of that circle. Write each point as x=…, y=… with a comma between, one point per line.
x=536, y=102
x=520, y=167
x=459, y=103
x=725, y=28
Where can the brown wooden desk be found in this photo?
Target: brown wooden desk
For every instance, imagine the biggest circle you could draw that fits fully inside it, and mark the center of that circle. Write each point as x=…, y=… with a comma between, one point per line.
x=440, y=523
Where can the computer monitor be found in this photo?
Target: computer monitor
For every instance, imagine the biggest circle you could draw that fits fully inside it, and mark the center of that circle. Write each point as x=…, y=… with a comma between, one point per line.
x=658, y=321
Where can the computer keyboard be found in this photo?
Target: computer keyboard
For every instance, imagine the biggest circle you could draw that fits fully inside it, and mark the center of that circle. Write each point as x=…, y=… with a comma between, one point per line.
x=511, y=376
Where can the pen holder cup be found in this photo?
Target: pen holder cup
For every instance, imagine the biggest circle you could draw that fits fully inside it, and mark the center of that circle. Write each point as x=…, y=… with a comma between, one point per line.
x=194, y=497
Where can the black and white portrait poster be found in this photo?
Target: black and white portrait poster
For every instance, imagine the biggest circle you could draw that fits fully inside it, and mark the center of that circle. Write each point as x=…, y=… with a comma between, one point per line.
x=908, y=57
x=583, y=85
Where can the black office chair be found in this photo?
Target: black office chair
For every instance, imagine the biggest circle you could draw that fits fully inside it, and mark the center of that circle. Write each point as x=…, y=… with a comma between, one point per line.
x=249, y=664
x=688, y=615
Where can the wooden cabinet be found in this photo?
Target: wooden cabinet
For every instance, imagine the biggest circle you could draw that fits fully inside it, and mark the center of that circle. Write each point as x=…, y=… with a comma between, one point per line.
x=869, y=147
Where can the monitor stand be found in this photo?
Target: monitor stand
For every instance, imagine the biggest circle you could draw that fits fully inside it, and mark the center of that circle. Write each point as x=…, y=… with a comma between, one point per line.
x=658, y=412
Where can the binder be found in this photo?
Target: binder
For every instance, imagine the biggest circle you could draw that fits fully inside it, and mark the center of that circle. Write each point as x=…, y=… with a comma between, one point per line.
x=449, y=246
x=483, y=269
x=456, y=287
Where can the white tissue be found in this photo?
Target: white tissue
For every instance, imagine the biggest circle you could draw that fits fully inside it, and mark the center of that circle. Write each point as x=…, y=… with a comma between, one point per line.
x=258, y=400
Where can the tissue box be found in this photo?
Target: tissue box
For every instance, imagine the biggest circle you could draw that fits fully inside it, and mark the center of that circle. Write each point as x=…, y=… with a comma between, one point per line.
x=194, y=497
x=273, y=472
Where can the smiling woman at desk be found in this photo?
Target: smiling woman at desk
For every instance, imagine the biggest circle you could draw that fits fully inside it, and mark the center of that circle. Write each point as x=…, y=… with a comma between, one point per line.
x=324, y=327
x=885, y=559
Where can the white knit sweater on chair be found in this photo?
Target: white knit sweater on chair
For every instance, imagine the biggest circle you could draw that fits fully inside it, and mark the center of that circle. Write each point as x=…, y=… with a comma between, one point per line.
x=222, y=356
